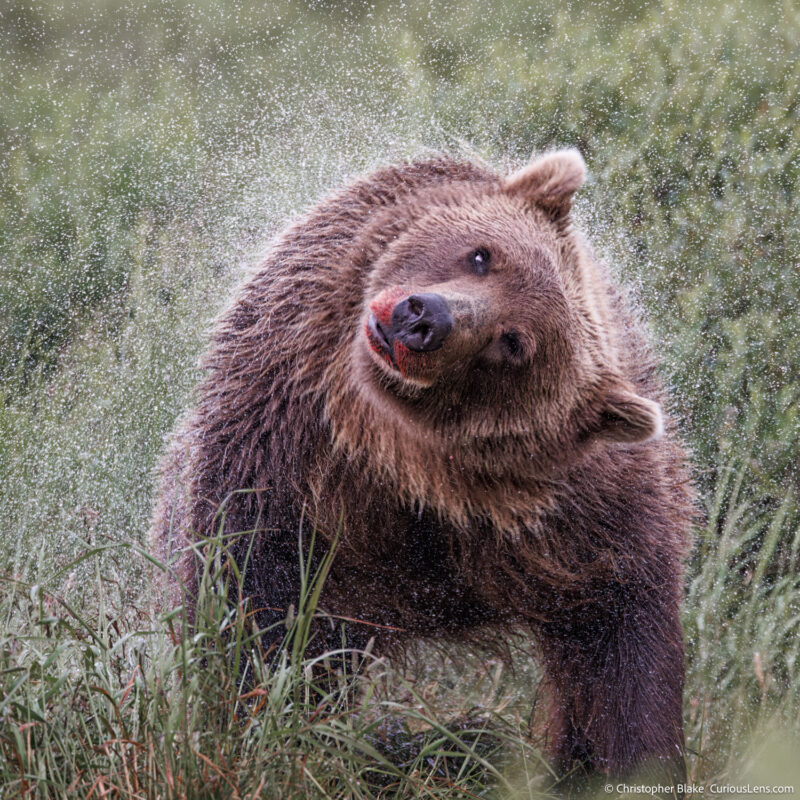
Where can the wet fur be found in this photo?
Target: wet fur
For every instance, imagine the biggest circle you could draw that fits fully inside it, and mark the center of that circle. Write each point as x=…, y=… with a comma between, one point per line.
x=464, y=514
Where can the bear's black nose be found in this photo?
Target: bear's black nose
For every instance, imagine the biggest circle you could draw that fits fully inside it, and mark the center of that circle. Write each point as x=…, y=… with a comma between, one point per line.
x=422, y=322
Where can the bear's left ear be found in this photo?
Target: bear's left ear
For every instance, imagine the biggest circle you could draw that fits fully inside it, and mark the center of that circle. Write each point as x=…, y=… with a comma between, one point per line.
x=624, y=416
x=549, y=181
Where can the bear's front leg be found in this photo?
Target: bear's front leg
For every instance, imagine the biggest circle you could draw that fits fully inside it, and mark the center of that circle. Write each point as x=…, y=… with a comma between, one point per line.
x=614, y=672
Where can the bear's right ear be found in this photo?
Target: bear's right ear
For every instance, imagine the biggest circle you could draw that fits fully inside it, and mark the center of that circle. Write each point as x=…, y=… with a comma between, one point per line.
x=549, y=181
x=624, y=416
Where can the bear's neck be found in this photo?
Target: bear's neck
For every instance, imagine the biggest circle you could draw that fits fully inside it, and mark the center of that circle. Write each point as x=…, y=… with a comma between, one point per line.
x=506, y=478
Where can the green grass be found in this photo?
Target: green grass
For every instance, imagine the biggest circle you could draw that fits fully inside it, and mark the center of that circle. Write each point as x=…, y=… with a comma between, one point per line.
x=147, y=154
x=94, y=706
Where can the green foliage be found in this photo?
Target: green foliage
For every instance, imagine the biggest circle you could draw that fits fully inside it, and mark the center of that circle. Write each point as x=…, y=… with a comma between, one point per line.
x=149, y=150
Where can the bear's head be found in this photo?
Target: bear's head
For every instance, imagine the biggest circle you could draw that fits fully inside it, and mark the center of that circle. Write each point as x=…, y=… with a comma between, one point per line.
x=485, y=317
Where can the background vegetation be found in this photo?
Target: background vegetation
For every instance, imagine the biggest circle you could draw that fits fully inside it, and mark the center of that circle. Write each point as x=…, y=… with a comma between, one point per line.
x=147, y=153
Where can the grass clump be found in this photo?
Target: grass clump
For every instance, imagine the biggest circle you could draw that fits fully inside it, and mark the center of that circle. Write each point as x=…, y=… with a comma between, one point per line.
x=110, y=701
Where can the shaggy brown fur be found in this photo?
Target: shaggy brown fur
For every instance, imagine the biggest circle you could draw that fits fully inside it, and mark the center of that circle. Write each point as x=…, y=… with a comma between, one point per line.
x=515, y=476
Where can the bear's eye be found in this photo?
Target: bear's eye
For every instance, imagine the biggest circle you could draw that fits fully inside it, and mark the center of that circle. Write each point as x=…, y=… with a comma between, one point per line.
x=479, y=260
x=511, y=344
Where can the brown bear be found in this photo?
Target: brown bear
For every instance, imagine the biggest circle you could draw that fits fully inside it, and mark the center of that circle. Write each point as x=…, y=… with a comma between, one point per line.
x=432, y=366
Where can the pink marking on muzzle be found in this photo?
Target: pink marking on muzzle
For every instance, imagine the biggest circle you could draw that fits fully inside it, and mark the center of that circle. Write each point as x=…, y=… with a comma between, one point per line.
x=383, y=305
x=409, y=363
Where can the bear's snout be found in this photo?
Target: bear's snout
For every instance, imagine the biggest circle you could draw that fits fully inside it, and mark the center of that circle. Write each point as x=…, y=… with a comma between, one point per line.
x=422, y=334
x=421, y=322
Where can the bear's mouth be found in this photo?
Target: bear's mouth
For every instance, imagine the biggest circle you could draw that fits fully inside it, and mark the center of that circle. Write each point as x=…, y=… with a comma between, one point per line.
x=379, y=340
